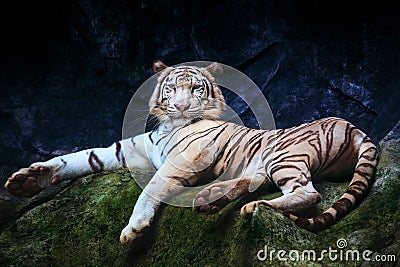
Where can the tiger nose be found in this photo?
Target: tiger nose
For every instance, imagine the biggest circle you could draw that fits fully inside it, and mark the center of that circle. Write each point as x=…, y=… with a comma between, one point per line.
x=182, y=107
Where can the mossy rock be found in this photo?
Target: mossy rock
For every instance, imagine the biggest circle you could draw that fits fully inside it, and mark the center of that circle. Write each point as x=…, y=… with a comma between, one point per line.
x=78, y=227
x=81, y=225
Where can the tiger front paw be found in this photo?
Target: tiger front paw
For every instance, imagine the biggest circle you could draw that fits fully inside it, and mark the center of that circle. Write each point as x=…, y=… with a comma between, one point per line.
x=210, y=200
x=27, y=182
x=129, y=234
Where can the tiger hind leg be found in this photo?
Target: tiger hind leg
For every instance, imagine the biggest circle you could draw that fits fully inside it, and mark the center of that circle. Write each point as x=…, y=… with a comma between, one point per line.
x=298, y=191
x=357, y=190
x=299, y=199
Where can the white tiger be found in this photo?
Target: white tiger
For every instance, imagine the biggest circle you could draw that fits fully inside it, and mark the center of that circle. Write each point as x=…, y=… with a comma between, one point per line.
x=188, y=103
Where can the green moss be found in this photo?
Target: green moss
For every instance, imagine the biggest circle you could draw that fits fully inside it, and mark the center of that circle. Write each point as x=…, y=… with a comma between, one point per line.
x=78, y=227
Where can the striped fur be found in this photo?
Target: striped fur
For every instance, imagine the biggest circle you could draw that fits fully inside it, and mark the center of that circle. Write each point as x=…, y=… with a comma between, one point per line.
x=191, y=146
x=329, y=149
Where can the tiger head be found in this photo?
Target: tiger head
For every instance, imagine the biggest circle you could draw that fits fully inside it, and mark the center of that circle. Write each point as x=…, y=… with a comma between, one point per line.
x=186, y=93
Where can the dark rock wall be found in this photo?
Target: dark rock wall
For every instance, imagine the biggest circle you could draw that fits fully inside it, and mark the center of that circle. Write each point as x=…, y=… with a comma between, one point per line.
x=69, y=68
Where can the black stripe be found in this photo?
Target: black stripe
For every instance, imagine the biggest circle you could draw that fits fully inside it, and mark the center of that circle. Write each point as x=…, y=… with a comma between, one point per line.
x=328, y=219
x=233, y=150
x=283, y=181
x=289, y=159
x=304, y=136
x=118, y=151
x=254, y=149
x=133, y=142
x=303, y=223
x=359, y=184
x=169, y=136
x=216, y=137
x=285, y=143
x=275, y=159
x=212, y=90
x=151, y=139
x=189, y=143
x=366, y=165
x=369, y=157
x=220, y=155
x=329, y=141
x=120, y=155
x=322, y=221
x=317, y=147
x=343, y=147
x=342, y=207
x=255, y=137
x=363, y=174
x=94, y=159
x=358, y=195
x=207, y=132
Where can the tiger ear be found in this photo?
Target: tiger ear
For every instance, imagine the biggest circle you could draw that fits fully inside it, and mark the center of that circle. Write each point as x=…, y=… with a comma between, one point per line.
x=158, y=66
x=215, y=69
